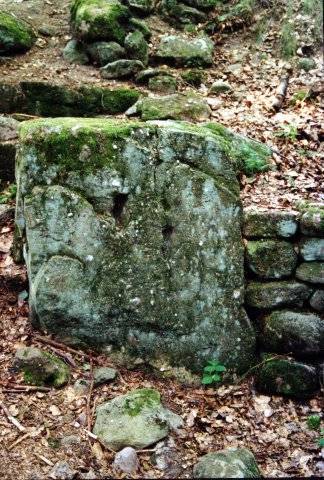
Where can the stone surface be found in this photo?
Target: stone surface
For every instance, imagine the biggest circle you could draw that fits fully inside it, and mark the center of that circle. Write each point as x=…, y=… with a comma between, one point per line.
x=316, y=301
x=126, y=460
x=94, y=20
x=312, y=249
x=16, y=36
x=194, y=77
x=104, y=375
x=136, y=419
x=277, y=294
x=144, y=75
x=8, y=128
x=74, y=52
x=121, y=69
x=167, y=458
x=220, y=87
x=163, y=84
x=271, y=259
x=292, y=332
x=178, y=106
x=287, y=377
x=62, y=471
x=102, y=53
x=133, y=239
x=312, y=272
x=312, y=221
x=143, y=7
x=183, y=51
x=136, y=46
x=269, y=223
x=40, y=367
x=229, y=463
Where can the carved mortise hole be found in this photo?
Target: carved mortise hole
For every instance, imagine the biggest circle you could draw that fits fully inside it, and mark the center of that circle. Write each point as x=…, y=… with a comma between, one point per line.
x=119, y=200
x=167, y=232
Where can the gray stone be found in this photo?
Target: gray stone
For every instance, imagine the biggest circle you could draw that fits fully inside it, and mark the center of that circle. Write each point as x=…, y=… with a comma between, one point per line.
x=312, y=249
x=70, y=440
x=145, y=75
x=182, y=51
x=81, y=386
x=136, y=46
x=312, y=272
x=292, y=332
x=62, y=471
x=178, y=106
x=40, y=367
x=277, y=294
x=287, y=377
x=126, y=460
x=271, y=259
x=133, y=239
x=317, y=301
x=229, y=463
x=121, y=69
x=102, y=53
x=269, y=223
x=167, y=458
x=312, y=221
x=104, y=375
x=136, y=419
x=220, y=87
x=16, y=36
x=8, y=128
x=74, y=52
x=163, y=84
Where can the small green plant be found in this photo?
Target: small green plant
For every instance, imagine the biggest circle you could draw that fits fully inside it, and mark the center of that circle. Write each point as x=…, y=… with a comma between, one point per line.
x=321, y=439
x=288, y=132
x=213, y=372
x=299, y=96
x=8, y=193
x=314, y=422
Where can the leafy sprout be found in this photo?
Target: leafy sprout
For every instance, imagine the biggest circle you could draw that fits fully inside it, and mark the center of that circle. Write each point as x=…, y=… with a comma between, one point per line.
x=213, y=372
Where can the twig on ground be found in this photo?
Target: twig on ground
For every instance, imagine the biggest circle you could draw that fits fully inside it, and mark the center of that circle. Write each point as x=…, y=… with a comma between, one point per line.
x=89, y=411
x=53, y=343
x=66, y=357
x=19, y=440
x=12, y=419
x=94, y=437
x=45, y=460
x=17, y=388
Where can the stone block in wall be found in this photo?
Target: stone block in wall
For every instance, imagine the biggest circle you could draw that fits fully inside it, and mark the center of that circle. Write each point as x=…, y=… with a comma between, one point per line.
x=277, y=294
x=301, y=334
x=269, y=223
x=271, y=259
x=317, y=300
x=312, y=249
x=133, y=239
x=311, y=272
x=312, y=221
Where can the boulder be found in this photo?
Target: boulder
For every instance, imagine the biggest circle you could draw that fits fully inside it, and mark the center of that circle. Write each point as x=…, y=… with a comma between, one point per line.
x=136, y=420
x=102, y=53
x=163, y=84
x=229, y=463
x=312, y=249
x=94, y=20
x=133, y=239
x=41, y=368
x=271, y=259
x=292, y=332
x=316, y=301
x=74, y=52
x=179, y=106
x=269, y=223
x=136, y=46
x=121, y=69
x=182, y=51
x=287, y=377
x=312, y=272
x=277, y=294
x=312, y=221
x=16, y=36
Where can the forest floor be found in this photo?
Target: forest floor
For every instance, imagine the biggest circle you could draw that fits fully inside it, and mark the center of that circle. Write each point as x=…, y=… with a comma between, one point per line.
x=274, y=428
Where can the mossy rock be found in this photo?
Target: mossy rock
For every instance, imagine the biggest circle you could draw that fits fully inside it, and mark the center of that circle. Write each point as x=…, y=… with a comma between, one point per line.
x=163, y=84
x=142, y=7
x=306, y=64
x=74, y=52
x=293, y=332
x=136, y=419
x=317, y=301
x=41, y=368
x=179, y=14
x=277, y=294
x=311, y=249
x=136, y=46
x=194, y=77
x=138, y=24
x=220, y=87
x=144, y=76
x=229, y=463
x=94, y=20
x=102, y=53
x=121, y=69
x=312, y=220
x=271, y=259
x=260, y=223
x=287, y=377
x=182, y=51
x=311, y=272
x=16, y=36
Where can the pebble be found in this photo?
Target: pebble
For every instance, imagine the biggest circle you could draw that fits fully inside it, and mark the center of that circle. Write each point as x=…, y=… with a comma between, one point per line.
x=126, y=460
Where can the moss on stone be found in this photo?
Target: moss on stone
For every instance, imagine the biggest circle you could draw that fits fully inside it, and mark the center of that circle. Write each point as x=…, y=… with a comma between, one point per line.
x=276, y=294
x=311, y=272
x=312, y=219
x=163, y=84
x=271, y=259
x=194, y=77
x=260, y=223
x=141, y=398
x=137, y=46
x=15, y=35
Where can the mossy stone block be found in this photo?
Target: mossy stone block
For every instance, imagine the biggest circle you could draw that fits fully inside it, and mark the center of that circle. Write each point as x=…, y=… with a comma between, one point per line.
x=277, y=294
x=74, y=52
x=182, y=51
x=136, y=46
x=229, y=463
x=312, y=249
x=163, y=84
x=312, y=221
x=271, y=259
x=16, y=36
x=312, y=272
x=121, y=69
x=260, y=223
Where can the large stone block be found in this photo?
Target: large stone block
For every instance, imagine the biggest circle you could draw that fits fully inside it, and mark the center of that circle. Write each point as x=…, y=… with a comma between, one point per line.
x=133, y=239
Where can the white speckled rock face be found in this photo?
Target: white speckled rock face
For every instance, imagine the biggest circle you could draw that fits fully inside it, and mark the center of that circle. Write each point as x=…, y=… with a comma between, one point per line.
x=132, y=239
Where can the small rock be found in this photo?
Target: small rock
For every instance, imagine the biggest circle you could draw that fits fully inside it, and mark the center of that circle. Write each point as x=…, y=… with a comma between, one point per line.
x=167, y=458
x=182, y=51
x=194, y=77
x=102, y=53
x=126, y=460
x=8, y=128
x=121, y=69
x=81, y=386
x=163, y=84
x=312, y=272
x=69, y=440
x=62, y=471
x=306, y=64
x=271, y=259
x=220, y=87
x=136, y=46
x=104, y=375
x=41, y=368
x=74, y=52
x=145, y=75
x=312, y=249
x=229, y=463
x=312, y=221
x=317, y=301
